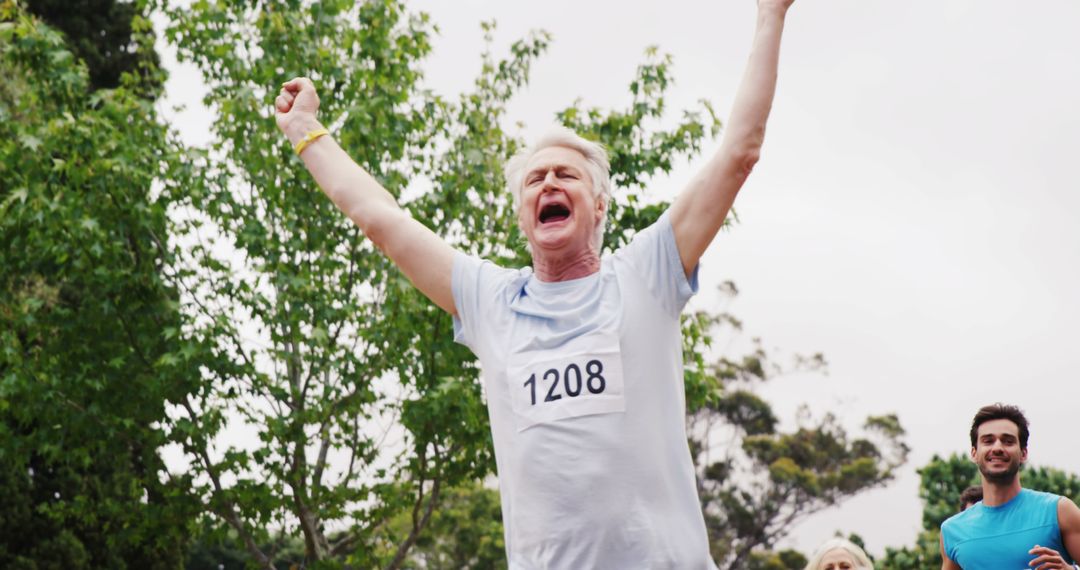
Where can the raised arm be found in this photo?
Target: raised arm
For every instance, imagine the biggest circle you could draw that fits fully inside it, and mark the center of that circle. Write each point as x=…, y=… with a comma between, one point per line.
x=421, y=255
x=699, y=212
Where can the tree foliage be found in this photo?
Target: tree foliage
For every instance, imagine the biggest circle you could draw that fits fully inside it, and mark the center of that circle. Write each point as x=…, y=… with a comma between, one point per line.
x=755, y=481
x=112, y=37
x=465, y=532
x=82, y=392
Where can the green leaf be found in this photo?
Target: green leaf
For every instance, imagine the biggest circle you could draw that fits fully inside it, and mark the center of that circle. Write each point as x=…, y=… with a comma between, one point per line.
x=30, y=142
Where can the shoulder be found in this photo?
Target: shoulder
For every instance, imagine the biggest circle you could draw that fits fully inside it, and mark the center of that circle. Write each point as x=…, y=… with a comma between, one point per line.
x=652, y=249
x=485, y=269
x=960, y=524
x=1068, y=514
x=1040, y=506
x=959, y=519
x=655, y=233
x=477, y=283
x=953, y=532
x=1042, y=498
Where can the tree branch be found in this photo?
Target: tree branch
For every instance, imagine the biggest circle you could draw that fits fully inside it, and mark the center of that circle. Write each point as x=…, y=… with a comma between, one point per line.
x=418, y=526
x=228, y=512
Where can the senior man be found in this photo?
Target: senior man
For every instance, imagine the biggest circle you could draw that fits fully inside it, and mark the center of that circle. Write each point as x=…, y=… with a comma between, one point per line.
x=581, y=354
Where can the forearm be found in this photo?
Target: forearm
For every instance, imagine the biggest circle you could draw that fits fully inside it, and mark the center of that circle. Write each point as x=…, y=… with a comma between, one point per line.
x=745, y=131
x=421, y=255
x=699, y=212
x=355, y=192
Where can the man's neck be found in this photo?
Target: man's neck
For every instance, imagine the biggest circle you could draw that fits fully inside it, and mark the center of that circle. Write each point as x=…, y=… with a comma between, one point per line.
x=997, y=494
x=555, y=267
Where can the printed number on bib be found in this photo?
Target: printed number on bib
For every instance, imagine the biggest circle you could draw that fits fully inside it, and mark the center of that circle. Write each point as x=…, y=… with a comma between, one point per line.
x=571, y=384
x=586, y=380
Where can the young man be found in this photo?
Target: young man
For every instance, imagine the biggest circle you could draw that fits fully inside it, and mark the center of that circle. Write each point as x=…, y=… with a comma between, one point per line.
x=581, y=356
x=1012, y=527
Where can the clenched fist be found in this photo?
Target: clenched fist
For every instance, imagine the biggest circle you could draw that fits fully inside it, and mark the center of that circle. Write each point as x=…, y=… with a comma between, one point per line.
x=295, y=108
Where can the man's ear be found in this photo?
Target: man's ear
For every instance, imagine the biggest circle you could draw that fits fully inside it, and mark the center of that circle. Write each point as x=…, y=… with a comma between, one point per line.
x=1023, y=456
x=973, y=454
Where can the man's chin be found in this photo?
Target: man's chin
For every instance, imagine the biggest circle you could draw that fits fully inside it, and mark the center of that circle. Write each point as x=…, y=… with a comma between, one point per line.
x=550, y=241
x=1001, y=478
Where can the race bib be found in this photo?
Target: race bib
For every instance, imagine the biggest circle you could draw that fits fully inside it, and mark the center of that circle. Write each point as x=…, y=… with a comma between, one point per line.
x=580, y=378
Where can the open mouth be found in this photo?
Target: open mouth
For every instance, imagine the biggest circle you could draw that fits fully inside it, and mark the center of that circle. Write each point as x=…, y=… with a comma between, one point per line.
x=554, y=213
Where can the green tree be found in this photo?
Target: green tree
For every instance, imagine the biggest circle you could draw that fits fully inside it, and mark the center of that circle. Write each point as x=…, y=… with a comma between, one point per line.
x=214, y=550
x=941, y=482
x=756, y=482
x=465, y=532
x=783, y=560
x=82, y=392
x=111, y=37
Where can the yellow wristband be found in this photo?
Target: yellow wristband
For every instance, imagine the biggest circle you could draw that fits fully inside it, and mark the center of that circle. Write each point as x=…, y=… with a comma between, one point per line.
x=308, y=139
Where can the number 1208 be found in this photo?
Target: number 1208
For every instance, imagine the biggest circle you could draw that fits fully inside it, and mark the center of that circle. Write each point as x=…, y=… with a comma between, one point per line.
x=572, y=381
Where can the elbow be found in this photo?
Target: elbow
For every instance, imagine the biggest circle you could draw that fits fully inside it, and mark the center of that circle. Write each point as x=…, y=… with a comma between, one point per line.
x=744, y=149
x=750, y=157
x=374, y=215
x=378, y=224
x=374, y=230
x=745, y=158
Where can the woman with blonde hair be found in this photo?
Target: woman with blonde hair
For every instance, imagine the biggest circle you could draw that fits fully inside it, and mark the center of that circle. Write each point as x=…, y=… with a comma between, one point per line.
x=839, y=554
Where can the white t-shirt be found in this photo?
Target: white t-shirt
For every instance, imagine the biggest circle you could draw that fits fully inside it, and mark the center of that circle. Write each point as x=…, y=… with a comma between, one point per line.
x=584, y=383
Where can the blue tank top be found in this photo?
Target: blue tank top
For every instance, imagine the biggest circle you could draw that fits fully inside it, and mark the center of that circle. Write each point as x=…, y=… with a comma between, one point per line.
x=999, y=538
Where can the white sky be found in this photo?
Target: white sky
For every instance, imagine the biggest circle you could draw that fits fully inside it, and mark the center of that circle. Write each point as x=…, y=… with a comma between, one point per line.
x=911, y=217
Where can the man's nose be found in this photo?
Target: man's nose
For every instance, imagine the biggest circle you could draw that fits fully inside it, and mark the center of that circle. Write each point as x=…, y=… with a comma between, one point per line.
x=549, y=180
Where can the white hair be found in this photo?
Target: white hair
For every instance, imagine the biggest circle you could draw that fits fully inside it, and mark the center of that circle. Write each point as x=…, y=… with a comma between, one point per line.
x=862, y=561
x=596, y=162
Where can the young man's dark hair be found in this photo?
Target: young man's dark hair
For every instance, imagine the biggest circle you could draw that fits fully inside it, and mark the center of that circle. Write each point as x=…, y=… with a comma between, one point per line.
x=970, y=496
x=1000, y=412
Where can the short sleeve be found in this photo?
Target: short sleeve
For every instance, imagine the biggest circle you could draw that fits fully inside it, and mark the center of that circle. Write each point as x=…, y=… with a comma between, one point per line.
x=463, y=285
x=479, y=288
x=654, y=256
x=947, y=541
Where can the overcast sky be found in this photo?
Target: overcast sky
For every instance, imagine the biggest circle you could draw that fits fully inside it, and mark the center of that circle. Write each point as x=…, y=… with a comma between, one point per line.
x=912, y=217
